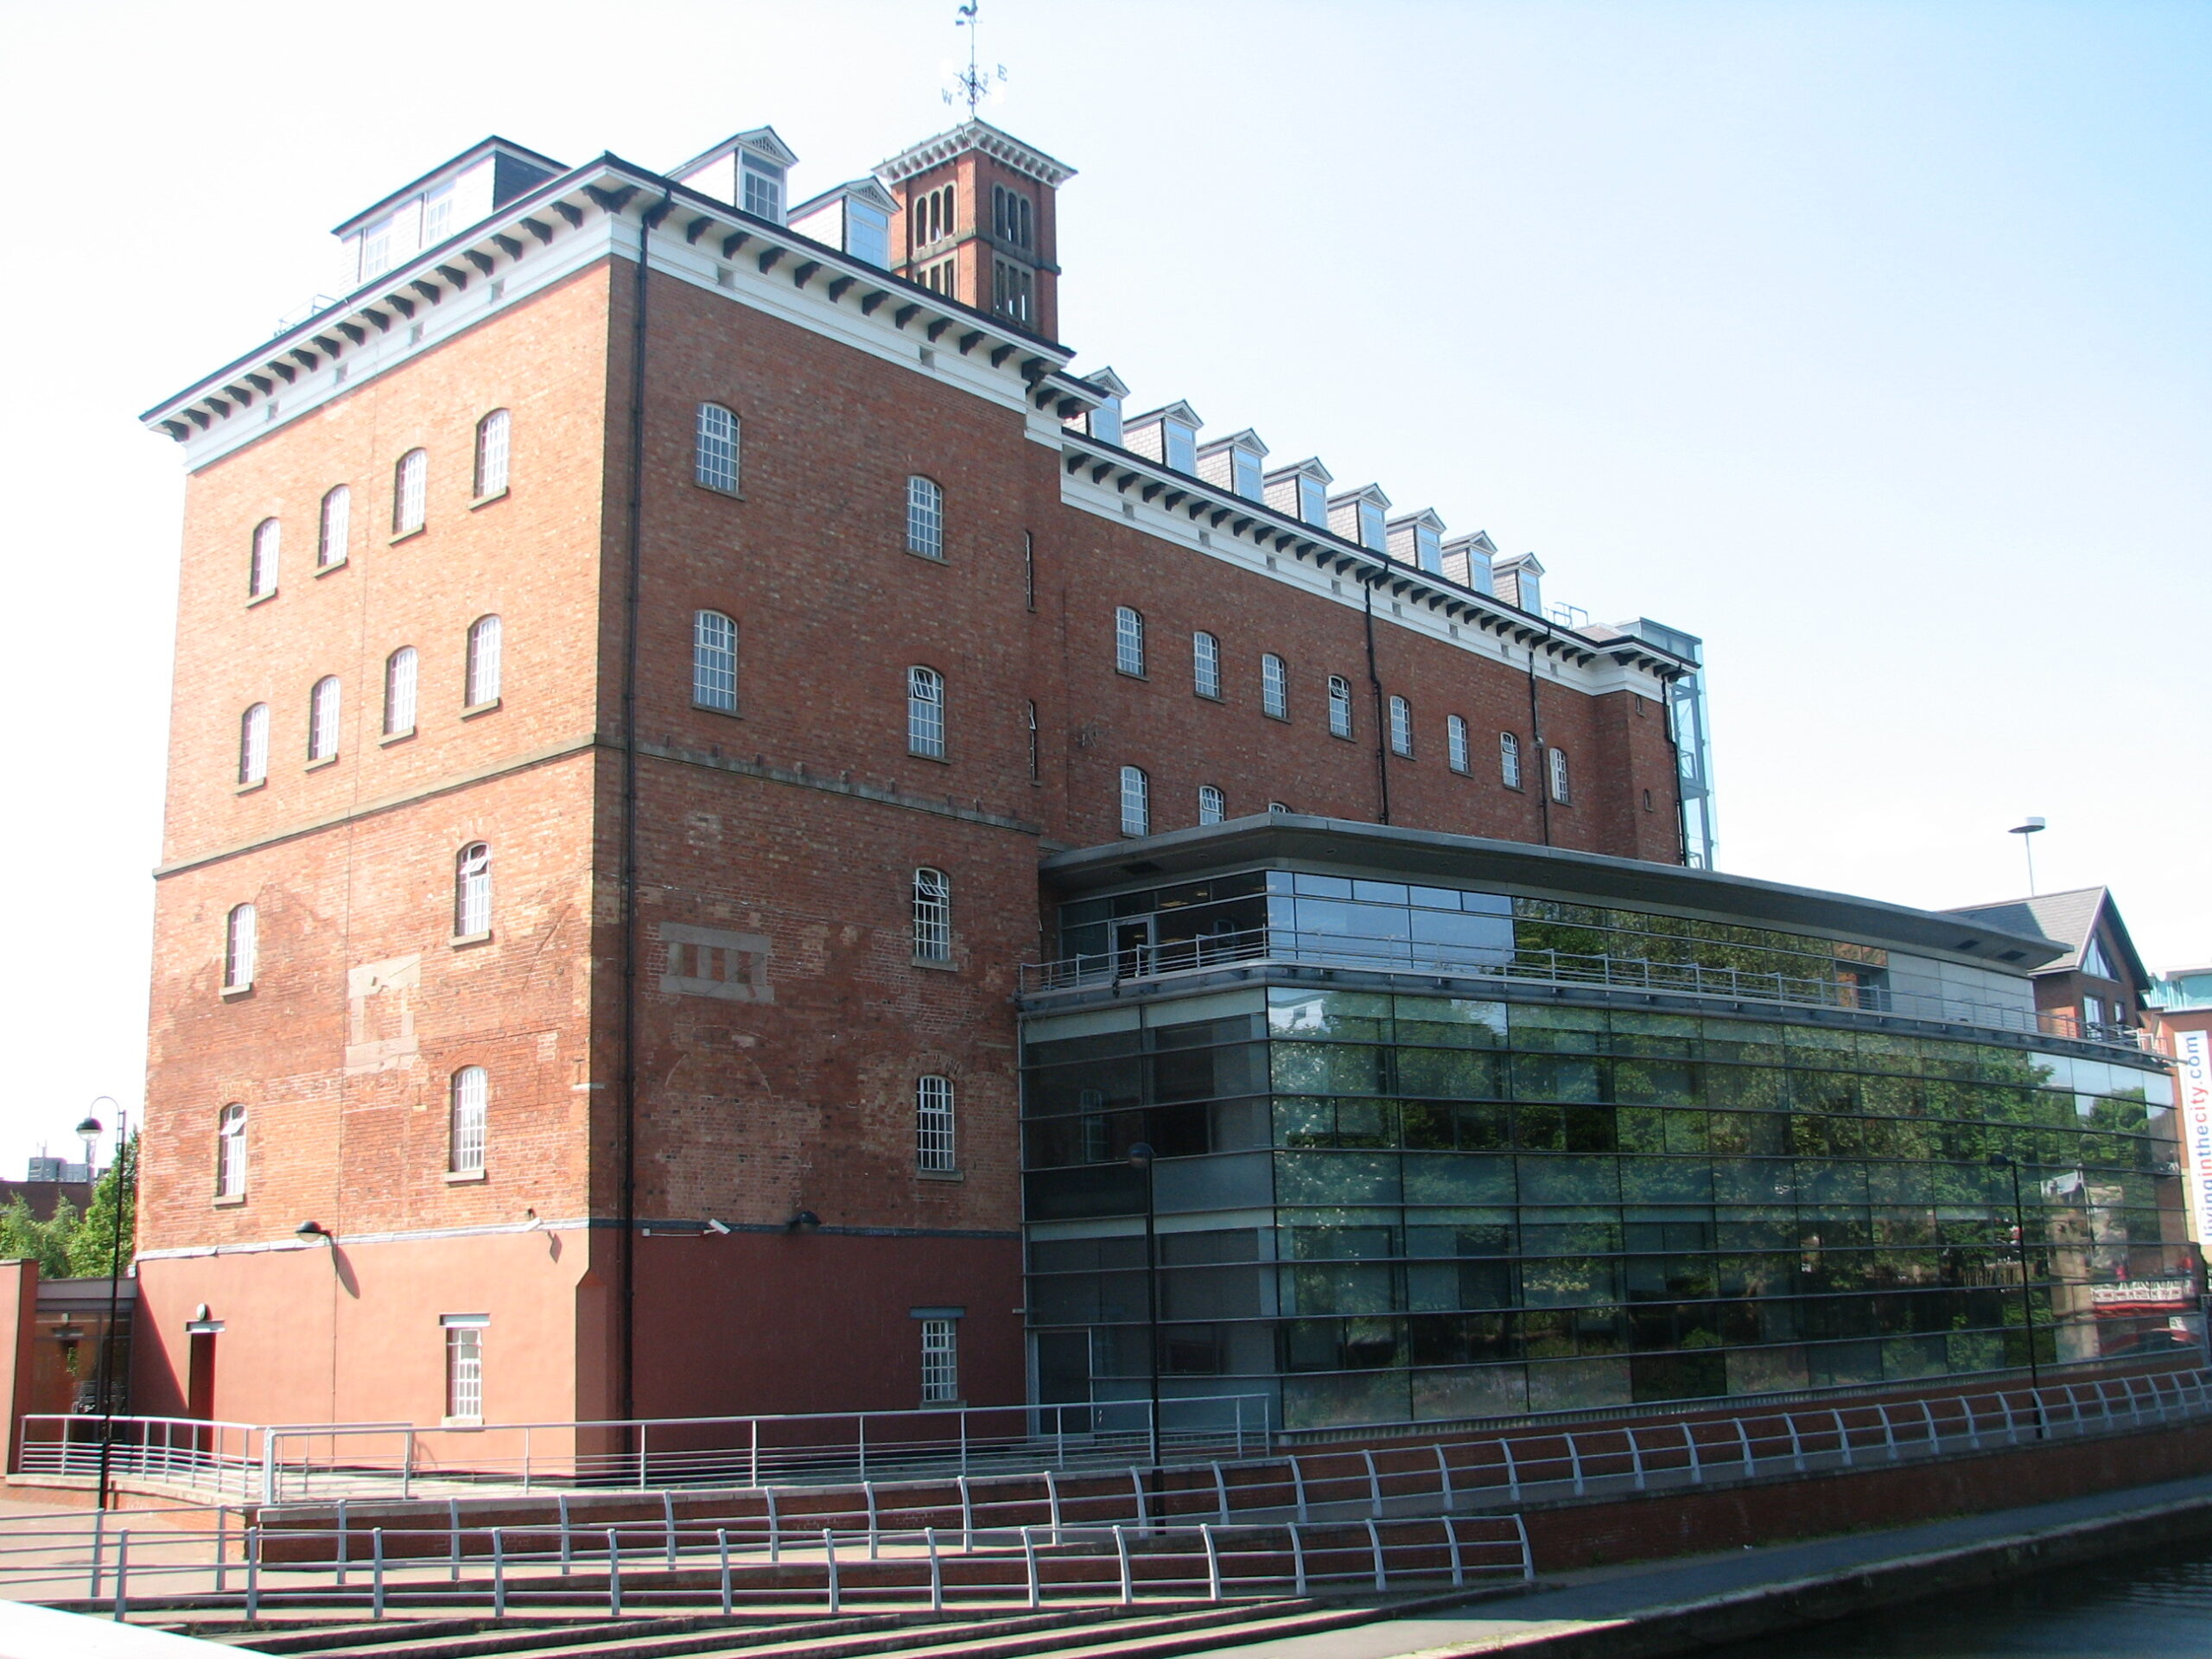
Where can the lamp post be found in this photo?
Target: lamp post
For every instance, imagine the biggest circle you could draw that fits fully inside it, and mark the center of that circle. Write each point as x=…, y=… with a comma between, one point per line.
x=1140, y=1158
x=2027, y=830
x=89, y=1128
x=2001, y=1160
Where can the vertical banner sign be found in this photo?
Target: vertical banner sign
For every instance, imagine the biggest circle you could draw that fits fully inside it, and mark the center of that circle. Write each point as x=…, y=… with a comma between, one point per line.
x=2195, y=1048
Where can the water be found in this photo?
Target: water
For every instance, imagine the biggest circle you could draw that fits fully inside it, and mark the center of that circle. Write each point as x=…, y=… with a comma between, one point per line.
x=2125, y=1608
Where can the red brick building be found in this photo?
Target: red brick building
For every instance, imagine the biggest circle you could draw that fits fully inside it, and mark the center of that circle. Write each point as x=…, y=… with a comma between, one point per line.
x=632, y=658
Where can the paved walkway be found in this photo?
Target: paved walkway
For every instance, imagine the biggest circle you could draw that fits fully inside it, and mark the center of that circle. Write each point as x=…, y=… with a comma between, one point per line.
x=1616, y=1609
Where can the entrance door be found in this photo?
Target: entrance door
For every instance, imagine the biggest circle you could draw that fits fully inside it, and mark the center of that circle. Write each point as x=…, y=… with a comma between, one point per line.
x=1063, y=1381
x=199, y=1377
x=1132, y=949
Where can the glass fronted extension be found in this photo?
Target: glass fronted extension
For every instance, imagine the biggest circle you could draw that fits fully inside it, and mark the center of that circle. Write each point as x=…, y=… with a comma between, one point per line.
x=1382, y=1197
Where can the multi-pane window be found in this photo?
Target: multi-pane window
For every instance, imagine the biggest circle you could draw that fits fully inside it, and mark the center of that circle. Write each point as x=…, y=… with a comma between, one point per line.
x=261, y=568
x=410, y=491
x=472, y=1101
x=241, y=947
x=253, y=744
x=1312, y=500
x=1275, y=687
x=714, y=661
x=932, y=916
x=322, y=719
x=1012, y=290
x=764, y=188
x=1137, y=801
x=714, y=457
x=472, y=891
x=400, y=673
x=925, y=713
x=483, y=676
x=1339, y=706
x=491, y=448
x=337, y=523
x=1455, y=742
x=933, y=1144
x=1555, y=763
x=1211, y=808
x=464, y=1366
x=1205, y=664
x=940, y=1361
x=437, y=215
x=1012, y=218
x=924, y=518
x=1508, y=760
x=931, y=217
x=230, y=1151
x=1036, y=773
x=1129, y=641
x=1401, y=728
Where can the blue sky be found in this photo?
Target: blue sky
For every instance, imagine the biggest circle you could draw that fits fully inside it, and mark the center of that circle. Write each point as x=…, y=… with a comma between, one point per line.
x=1868, y=341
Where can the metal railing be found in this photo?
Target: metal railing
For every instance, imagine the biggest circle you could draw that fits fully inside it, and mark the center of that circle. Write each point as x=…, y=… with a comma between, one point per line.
x=1259, y=947
x=281, y=1463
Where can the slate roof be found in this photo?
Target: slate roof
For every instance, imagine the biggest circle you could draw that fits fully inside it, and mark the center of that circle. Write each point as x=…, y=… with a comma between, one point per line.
x=2068, y=918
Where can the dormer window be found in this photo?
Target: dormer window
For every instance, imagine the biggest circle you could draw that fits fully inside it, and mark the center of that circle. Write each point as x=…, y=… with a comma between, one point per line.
x=1182, y=446
x=376, y=249
x=1301, y=491
x=437, y=215
x=1372, y=533
x=1418, y=539
x=1314, y=501
x=763, y=182
x=867, y=233
x=1468, y=560
x=1236, y=463
x=1361, y=516
x=1104, y=423
x=1169, y=436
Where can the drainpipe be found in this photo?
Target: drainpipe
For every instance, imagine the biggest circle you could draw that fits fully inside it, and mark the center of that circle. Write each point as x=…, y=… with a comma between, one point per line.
x=1375, y=691
x=1543, y=778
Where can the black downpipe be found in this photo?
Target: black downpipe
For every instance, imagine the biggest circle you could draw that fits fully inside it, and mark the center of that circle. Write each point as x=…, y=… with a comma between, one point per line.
x=633, y=597
x=1543, y=781
x=1375, y=691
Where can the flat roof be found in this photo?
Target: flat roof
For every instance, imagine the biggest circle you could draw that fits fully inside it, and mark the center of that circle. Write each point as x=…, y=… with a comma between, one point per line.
x=1291, y=837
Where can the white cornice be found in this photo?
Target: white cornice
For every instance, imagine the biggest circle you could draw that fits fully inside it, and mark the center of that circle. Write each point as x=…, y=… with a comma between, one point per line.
x=984, y=138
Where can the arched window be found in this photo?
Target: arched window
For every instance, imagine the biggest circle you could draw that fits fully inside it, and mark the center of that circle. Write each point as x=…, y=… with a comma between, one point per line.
x=336, y=527
x=230, y=1151
x=399, y=674
x=261, y=568
x=714, y=453
x=472, y=1099
x=1274, y=687
x=472, y=891
x=1556, y=762
x=253, y=745
x=491, y=451
x=1128, y=642
x=932, y=916
x=1205, y=664
x=241, y=947
x=1137, y=801
x=1455, y=742
x=714, y=662
x=1210, y=809
x=924, y=518
x=1401, y=728
x=925, y=713
x=1339, y=706
x=410, y=491
x=322, y=719
x=483, y=677
x=933, y=1142
x=1508, y=760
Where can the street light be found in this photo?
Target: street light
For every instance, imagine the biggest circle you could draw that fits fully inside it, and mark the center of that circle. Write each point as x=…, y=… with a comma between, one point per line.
x=1999, y=1160
x=89, y=1128
x=1140, y=1158
x=2027, y=830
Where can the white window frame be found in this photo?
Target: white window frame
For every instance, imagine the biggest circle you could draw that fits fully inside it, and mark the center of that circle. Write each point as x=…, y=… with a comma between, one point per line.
x=716, y=449
x=935, y=1147
x=1401, y=728
x=1555, y=771
x=1213, y=809
x=467, y=1119
x=325, y=703
x=333, y=527
x=241, y=947
x=1274, y=687
x=472, y=891
x=1205, y=665
x=925, y=713
x=463, y=1336
x=1508, y=760
x=940, y=1362
x=1312, y=501
x=1128, y=642
x=481, y=677
x=1137, y=801
x=261, y=565
x=1455, y=743
x=229, y=1151
x=932, y=915
x=494, y=434
x=401, y=685
x=253, y=745
x=1339, y=706
x=411, y=492
x=924, y=518
x=714, y=661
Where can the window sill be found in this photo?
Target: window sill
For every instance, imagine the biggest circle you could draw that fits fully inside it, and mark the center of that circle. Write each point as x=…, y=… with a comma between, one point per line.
x=232, y=993
x=317, y=766
x=935, y=759
x=476, y=709
x=926, y=558
x=231, y=1203
x=260, y=599
x=463, y=941
x=460, y=1422
x=940, y=1174
x=1127, y=675
x=1283, y=718
x=248, y=789
x=716, y=489
x=1344, y=737
x=322, y=571
x=462, y=1177
x=407, y=536
x=709, y=709
x=487, y=500
x=391, y=738
x=1209, y=697
x=940, y=964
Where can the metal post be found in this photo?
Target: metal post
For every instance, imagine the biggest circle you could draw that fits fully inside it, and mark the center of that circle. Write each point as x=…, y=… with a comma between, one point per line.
x=829, y=1560
x=1121, y=1556
x=344, y=1543
x=1575, y=1461
x=1052, y=1505
x=644, y=1429
x=1697, y=1468
x=1213, y=1561
x=1373, y=1484
x=1443, y=1478
x=1142, y=1156
x=1743, y=1441
x=122, y=1171
x=253, y=1572
x=668, y=1526
x=1029, y=1562
x=121, y=1574
x=937, y=1572
x=1636, y=1458
x=775, y=1531
x=1512, y=1471
x=752, y=1467
x=967, y=1518
x=453, y=1535
x=222, y=1546
x=1298, y=1558
x=407, y=1467
x=499, y=1575
x=376, y=1572
x=867, y=1496
x=1221, y=1493
x=721, y=1548
x=1458, y=1568
x=1842, y=1437
x=1381, y=1578
x=1528, y=1557
x=99, y=1524
x=614, y=1575
x=1889, y=1432
x=860, y=1440
x=1297, y=1484
x=562, y=1499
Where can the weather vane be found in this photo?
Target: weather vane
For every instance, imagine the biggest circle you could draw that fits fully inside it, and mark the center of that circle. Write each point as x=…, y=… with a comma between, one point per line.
x=973, y=83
